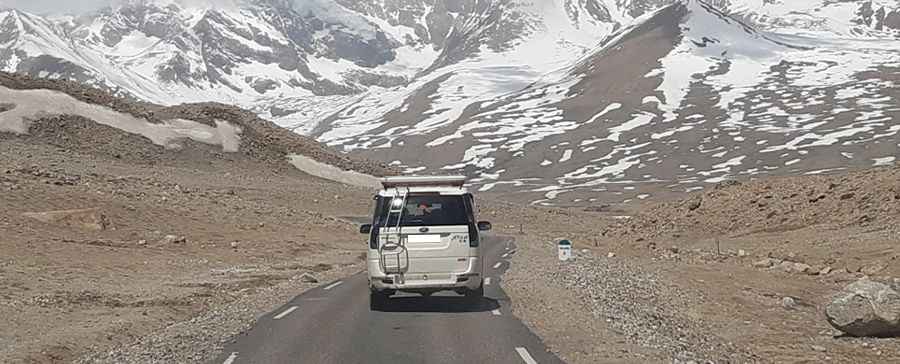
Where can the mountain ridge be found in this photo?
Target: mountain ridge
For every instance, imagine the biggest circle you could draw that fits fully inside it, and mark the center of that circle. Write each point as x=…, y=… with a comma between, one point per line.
x=513, y=93
x=707, y=89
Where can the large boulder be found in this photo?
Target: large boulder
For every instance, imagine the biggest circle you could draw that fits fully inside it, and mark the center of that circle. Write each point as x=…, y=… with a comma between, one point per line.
x=866, y=308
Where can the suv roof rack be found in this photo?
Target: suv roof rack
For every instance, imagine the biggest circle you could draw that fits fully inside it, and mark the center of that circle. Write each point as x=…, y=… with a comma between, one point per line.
x=423, y=181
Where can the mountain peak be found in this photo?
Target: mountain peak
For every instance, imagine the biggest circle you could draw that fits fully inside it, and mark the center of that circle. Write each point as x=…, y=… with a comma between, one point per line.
x=16, y=13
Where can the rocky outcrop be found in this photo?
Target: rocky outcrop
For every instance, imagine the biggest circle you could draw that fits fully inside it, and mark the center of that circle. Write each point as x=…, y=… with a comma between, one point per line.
x=83, y=127
x=89, y=219
x=866, y=308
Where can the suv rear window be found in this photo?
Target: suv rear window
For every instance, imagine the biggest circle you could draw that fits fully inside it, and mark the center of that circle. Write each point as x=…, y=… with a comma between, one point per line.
x=425, y=210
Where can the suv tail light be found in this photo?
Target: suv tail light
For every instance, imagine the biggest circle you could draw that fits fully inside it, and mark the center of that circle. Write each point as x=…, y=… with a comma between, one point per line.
x=470, y=215
x=373, y=237
x=473, y=236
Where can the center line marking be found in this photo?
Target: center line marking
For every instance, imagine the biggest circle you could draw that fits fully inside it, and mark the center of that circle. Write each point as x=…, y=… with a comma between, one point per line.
x=497, y=265
x=231, y=358
x=335, y=284
x=285, y=313
x=487, y=281
x=496, y=312
x=525, y=355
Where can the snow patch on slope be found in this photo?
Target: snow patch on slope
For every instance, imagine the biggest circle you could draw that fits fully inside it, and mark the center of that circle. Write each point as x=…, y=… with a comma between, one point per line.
x=332, y=173
x=30, y=105
x=814, y=18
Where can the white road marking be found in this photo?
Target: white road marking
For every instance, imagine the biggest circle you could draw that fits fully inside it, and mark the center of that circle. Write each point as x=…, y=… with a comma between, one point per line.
x=496, y=312
x=487, y=281
x=231, y=358
x=525, y=355
x=285, y=313
x=335, y=284
x=497, y=265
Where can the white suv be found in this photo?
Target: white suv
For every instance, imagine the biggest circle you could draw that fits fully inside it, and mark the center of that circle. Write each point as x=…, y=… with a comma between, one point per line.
x=424, y=238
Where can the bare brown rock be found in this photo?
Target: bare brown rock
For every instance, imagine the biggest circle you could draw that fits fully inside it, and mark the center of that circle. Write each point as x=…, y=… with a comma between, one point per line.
x=90, y=219
x=866, y=308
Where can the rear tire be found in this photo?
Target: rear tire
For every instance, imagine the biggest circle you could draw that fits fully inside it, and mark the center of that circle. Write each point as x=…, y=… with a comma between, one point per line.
x=377, y=301
x=475, y=295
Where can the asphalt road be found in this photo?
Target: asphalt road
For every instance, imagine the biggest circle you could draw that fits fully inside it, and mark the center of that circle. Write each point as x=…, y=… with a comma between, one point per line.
x=333, y=324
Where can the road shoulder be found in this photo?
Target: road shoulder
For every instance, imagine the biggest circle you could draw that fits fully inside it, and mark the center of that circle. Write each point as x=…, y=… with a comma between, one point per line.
x=559, y=316
x=204, y=336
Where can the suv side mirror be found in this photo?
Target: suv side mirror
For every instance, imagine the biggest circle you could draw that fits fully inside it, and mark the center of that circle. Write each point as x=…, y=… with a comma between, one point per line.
x=365, y=228
x=484, y=226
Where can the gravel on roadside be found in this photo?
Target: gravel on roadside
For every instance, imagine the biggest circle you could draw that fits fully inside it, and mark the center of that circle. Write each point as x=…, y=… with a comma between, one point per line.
x=629, y=310
x=203, y=337
x=558, y=315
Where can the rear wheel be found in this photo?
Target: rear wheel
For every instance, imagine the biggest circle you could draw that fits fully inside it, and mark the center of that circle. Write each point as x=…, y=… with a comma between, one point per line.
x=377, y=300
x=475, y=295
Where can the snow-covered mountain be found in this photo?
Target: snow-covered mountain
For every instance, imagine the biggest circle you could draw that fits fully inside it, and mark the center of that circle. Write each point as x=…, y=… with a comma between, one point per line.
x=295, y=61
x=680, y=98
x=167, y=52
x=555, y=99
x=864, y=19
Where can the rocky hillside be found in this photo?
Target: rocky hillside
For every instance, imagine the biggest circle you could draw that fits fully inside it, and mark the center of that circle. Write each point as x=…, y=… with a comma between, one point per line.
x=73, y=116
x=171, y=228
x=868, y=198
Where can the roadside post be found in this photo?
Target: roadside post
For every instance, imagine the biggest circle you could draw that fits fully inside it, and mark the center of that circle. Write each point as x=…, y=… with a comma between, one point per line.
x=564, y=246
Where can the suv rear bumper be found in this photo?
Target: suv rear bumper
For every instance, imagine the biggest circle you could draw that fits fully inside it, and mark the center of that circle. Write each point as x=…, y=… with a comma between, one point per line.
x=471, y=278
